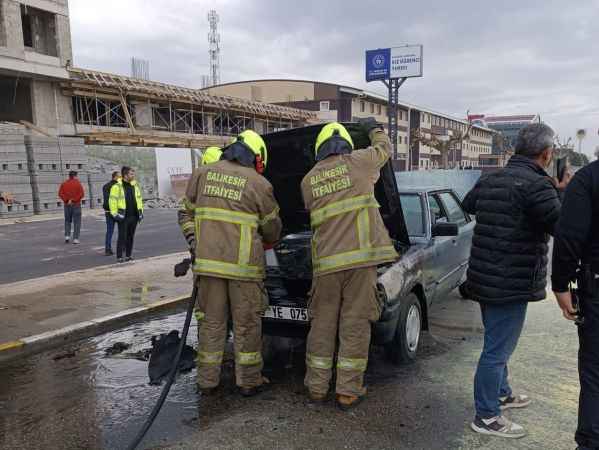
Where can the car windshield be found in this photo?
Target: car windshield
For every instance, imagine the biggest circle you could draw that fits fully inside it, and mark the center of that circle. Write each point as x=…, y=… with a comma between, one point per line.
x=411, y=204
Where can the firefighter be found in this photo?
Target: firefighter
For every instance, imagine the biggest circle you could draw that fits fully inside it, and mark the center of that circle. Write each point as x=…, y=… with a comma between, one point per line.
x=349, y=240
x=229, y=212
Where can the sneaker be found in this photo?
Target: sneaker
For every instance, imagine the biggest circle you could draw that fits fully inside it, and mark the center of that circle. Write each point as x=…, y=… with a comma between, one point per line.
x=108, y=252
x=120, y=260
x=75, y=241
x=67, y=239
x=518, y=401
x=129, y=258
x=498, y=426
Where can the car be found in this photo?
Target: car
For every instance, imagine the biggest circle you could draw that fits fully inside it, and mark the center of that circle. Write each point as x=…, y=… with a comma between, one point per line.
x=428, y=227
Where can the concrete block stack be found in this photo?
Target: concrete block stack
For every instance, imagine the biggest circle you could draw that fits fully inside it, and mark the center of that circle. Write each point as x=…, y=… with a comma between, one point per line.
x=93, y=190
x=50, y=160
x=14, y=177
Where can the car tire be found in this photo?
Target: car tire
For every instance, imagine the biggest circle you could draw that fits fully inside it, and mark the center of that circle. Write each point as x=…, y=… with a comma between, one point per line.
x=404, y=346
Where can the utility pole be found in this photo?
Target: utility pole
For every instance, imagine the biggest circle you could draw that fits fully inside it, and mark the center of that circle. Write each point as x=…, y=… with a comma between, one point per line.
x=393, y=86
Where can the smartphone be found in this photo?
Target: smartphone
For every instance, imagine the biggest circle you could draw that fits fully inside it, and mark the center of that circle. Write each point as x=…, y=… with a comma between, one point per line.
x=562, y=166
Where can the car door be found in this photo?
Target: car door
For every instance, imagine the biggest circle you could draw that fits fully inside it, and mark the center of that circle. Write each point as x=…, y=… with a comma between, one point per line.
x=458, y=251
x=443, y=246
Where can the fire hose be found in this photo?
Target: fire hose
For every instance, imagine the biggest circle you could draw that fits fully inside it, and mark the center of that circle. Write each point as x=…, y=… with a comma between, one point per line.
x=181, y=270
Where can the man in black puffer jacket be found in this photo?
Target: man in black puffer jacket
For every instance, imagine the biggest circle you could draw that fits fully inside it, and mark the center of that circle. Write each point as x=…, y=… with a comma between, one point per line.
x=516, y=210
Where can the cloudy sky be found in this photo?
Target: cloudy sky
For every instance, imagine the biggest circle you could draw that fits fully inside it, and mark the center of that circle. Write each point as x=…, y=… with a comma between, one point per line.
x=501, y=57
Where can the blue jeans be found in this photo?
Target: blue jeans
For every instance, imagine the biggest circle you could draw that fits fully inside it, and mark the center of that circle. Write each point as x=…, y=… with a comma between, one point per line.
x=109, y=231
x=503, y=326
x=72, y=215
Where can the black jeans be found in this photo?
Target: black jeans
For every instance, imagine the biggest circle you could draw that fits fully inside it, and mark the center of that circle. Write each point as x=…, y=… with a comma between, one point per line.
x=587, y=434
x=126, y=234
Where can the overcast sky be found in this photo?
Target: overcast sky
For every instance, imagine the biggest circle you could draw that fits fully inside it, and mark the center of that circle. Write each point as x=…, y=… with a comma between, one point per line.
x=505, y=57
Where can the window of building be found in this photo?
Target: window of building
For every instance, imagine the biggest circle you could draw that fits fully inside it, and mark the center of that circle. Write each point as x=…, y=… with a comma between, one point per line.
x=325, y=106
x=372, y=108
x=399, y=139
x=378, y=109
x=362, y=107
x=39, y=30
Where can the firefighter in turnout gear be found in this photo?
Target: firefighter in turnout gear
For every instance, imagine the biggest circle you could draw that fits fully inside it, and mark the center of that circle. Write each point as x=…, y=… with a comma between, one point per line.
x=349, y=240
x=228, y=214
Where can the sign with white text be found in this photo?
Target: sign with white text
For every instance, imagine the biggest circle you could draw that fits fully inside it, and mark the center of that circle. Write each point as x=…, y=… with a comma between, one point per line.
x=394, y=62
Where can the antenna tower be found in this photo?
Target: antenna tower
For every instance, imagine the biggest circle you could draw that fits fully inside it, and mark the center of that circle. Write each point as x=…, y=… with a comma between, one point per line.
x=214, y=47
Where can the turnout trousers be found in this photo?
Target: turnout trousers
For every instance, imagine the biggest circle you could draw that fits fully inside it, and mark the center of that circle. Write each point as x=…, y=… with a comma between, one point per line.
x=244, y=301
x=342, y=307
x=587, y=434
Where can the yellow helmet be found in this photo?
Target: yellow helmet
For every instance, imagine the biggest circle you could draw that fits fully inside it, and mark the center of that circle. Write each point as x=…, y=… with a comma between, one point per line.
x=255, y=143
x=211, y=155
x=330, y=130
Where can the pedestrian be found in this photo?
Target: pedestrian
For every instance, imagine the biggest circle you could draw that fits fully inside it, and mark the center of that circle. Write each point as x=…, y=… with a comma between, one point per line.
x=126, y=207
x=576, y=258
x=232, y=207
x=349, y=240
x=516, y=210
x=109, y=219
x=71, y=193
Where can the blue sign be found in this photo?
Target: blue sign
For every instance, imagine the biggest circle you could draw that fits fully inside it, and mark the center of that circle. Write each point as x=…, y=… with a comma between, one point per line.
x=378, y=64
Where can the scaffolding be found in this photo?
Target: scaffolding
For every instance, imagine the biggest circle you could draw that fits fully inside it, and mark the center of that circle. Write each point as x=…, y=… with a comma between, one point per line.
x=175, y=115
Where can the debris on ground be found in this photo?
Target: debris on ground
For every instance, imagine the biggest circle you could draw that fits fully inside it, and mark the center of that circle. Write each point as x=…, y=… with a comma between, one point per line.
x=68, y=354
x=117, y=347
x=164, y=351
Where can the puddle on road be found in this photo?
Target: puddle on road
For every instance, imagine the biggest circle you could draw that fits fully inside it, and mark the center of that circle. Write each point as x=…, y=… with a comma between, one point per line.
x=76, y=397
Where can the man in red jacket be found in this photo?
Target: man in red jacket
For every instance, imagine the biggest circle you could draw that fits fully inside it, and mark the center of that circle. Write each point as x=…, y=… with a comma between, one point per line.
x=71, y=193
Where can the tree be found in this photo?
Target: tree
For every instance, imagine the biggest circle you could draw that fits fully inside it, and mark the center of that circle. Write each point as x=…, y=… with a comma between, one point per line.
x=442, y=143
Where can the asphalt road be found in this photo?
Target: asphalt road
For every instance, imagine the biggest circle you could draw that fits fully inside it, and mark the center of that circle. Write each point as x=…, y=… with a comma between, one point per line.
x=75, y=397
x=37, y=249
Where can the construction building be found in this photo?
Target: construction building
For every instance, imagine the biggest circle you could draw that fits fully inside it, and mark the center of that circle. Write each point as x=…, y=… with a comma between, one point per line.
x=508, y=126
x=50, y=110
x=331, y=101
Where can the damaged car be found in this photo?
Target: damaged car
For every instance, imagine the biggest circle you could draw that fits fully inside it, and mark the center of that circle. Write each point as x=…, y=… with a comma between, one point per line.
x=428, y=227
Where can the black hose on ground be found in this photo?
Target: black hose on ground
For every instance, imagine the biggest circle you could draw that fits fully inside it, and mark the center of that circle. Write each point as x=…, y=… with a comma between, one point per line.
x=173, y=372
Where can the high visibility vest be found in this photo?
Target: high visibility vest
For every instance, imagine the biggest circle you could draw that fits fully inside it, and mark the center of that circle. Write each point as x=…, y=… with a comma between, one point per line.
x=116, y=200
x=360, y=206
x=247, y=223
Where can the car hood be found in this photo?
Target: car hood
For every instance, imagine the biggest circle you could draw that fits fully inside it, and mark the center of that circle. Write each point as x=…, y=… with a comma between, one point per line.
x=290, y=158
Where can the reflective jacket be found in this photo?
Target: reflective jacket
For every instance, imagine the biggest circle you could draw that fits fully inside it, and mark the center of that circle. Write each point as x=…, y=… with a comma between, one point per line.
x=116, y=200
x=228, y=212
x=347, y=228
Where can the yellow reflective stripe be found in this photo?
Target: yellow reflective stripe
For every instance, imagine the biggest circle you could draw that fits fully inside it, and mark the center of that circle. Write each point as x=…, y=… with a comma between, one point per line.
x=318, y=362
x=320, y=215
x=248, y=358
x=271, y=216
x=224, y=268
x=187, y=204
x=352, y=364
x=363, y=224
x=354, y=257
x=199, y=315
x=245, y=245
x=210, y=358
x=187, y=226
x=225, y=215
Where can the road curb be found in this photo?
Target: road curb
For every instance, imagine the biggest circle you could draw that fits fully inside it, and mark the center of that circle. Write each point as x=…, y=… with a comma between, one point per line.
x=43, y=341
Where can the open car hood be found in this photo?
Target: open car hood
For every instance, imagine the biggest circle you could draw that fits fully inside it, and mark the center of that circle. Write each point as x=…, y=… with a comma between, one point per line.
x=290, y=158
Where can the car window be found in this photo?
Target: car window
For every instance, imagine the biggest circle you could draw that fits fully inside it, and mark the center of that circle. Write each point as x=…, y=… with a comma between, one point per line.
x=437, y=213
x=454, y=210
x=413, y=214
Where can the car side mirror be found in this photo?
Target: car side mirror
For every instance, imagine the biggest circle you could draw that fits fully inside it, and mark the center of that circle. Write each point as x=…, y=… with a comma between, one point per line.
x=445, y=229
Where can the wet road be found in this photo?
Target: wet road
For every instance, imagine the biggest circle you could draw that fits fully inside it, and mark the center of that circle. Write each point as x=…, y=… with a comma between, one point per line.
x=36, y=249
x=75, y=397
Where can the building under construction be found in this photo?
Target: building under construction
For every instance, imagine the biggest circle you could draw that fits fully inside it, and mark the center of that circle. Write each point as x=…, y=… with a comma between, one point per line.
x=60, y=108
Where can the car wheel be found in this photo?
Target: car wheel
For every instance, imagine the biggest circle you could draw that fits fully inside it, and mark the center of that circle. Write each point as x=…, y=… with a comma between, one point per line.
x=404, y=346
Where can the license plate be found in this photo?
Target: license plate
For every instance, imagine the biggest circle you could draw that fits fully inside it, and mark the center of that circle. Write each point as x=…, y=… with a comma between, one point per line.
x=286, y=313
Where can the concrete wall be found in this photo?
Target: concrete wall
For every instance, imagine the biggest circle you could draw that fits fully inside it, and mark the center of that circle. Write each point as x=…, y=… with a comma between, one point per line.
x=57, y=116
x=268, y=91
